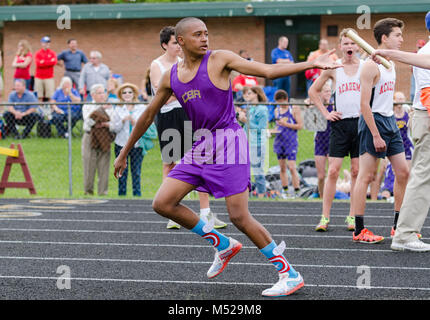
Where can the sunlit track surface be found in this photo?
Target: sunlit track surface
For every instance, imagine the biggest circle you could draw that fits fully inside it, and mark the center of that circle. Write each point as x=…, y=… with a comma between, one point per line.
x=121, y=249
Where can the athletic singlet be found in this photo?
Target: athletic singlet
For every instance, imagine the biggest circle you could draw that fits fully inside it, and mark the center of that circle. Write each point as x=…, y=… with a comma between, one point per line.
x=171, y=105
x=383, y=92
x=286, y=136
x=347, y=95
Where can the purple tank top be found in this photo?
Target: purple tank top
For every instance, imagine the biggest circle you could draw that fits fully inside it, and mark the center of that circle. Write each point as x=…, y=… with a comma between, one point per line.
x=211, y=109
x=286, y=136
x=206, y=106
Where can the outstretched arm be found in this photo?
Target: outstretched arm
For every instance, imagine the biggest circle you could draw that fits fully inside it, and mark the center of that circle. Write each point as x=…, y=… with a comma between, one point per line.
x=417, y=60
x=273, y=71
x=145, y=120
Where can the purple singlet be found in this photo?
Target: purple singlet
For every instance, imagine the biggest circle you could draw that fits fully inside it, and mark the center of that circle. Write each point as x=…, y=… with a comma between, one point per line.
x=322, y=138
x=218, y=162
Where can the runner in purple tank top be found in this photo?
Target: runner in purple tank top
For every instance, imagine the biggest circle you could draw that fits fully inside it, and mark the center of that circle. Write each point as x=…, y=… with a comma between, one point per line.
x=201, y=84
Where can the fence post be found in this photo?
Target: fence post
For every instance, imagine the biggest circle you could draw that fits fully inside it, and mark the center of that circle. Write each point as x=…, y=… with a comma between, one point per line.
x=69, y=130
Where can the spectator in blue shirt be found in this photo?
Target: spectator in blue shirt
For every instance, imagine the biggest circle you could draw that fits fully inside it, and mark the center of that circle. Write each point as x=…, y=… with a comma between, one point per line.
x=281, y=55
x=65, y=93
x=73, y=59
x=21, y=114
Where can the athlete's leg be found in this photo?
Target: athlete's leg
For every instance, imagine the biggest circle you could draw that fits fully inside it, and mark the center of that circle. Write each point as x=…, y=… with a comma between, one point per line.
x=237, y=207
x=401, y=171
x=367, y=164
x=295, y=180
x=283, y=172
x=320, y=164
x=167, y=202
x=289, y=279
x=354, y=174
x=334, y=165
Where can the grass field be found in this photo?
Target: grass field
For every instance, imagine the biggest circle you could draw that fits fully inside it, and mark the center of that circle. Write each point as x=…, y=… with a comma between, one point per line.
x=48, y=163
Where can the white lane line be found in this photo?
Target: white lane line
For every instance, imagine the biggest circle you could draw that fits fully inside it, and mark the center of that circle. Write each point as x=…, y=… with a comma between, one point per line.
x=324, y=236
x=204, y=282
x=206, y=262
x=135, y=221
x=369, y=215
x=164, y=222
x=185, y=246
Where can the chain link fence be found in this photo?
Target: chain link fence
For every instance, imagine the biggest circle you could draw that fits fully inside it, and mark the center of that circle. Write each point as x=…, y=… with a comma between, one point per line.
x=71, y=153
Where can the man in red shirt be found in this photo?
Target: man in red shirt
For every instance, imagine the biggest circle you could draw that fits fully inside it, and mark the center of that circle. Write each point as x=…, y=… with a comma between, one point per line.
x=45, y=59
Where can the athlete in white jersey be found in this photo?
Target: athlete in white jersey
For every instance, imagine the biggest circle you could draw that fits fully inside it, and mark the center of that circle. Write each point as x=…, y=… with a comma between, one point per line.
x=172, y=116
x=344, y=124
x=416, y=201
x=378, y=132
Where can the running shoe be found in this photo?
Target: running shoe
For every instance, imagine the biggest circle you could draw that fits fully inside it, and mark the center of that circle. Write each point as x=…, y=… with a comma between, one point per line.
x=323, y=224
x=172, y=225
x=218, y=224
x=367, y=236
x=393, y=232
x=223, y=257
x=416, y=246
x=285, y=286
x=350, y=223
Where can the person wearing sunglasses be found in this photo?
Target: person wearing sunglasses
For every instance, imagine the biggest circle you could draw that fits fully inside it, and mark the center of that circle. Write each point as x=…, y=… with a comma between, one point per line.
x=128, y=114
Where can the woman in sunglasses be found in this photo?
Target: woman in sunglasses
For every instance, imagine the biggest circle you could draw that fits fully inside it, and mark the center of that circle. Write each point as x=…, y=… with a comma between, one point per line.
x=129, y=113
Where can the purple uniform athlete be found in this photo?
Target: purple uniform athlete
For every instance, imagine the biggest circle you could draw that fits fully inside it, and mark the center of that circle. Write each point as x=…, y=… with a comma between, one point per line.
x=201, y=83
x=286, y=142
x=389, y=179
x=402, y=124
x=322, y=138
x=223, y=172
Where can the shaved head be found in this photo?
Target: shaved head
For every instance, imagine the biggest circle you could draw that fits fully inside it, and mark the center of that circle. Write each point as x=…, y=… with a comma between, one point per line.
x=182, y=25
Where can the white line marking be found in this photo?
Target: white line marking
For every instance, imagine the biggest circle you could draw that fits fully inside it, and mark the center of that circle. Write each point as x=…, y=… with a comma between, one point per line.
x=286, y=214
x=206, y=282
x=204, y=262
x=185, y=246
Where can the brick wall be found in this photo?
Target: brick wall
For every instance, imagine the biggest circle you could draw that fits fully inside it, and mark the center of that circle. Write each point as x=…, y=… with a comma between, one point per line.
x=414, y=30
x=127, y=46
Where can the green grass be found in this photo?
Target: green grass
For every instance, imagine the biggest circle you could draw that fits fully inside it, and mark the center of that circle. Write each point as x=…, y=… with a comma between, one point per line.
x=48, y=163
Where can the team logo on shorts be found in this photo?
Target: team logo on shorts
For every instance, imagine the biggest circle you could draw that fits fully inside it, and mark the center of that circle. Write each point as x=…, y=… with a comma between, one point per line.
x=213, y=238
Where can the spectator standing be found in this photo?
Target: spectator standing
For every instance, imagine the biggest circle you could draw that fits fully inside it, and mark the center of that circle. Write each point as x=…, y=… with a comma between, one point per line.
x=93, y=72
x=72, y=58
x=288, y=120
x=256, y=121
x=100, y=122
x=128, y=115
x=21, y=114
x=312, y=74
x=281, y=55
x=65, y=93
x=322, y=141
x=22, y=63
x=46, y=59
